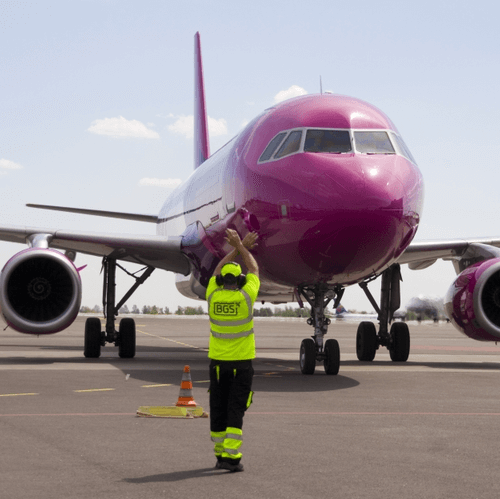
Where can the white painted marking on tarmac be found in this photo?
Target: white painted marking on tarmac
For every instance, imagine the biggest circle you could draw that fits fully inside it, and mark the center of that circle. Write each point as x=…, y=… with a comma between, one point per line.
x=95, y=390
x=173, y=341
x=17, y=394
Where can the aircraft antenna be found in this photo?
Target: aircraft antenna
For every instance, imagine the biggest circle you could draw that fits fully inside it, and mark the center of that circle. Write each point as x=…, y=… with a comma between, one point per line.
x=320, y=85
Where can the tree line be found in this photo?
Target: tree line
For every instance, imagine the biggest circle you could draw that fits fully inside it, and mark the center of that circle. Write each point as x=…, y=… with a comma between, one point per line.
x=155, y=310
x=148, y=310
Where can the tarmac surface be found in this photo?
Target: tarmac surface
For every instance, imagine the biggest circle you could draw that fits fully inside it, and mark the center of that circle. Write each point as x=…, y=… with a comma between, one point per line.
x=426, y=428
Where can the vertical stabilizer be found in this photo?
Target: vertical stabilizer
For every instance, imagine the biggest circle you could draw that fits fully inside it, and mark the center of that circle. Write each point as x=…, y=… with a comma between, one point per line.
x=201, y=147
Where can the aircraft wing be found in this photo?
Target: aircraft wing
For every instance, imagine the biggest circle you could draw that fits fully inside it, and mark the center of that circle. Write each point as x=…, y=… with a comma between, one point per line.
x=156, y=251
x=422, y=254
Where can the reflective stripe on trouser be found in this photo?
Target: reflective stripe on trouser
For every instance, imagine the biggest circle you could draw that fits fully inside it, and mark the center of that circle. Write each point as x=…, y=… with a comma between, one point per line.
x=218, y=438
x=232, y=443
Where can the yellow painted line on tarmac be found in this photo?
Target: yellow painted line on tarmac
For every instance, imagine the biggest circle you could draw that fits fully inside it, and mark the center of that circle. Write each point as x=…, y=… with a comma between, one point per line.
x=155, y=386
x=173, y=341
x=17, y=394
x=95, y=390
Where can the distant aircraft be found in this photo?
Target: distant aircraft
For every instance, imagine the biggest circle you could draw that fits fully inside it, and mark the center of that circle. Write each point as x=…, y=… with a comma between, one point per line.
x=335, y=196
x=427, y=306
x=342, y=313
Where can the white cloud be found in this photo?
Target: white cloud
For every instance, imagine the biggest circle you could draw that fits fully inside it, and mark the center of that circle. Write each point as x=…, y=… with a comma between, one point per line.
x=184, y=125
x=218, y=127
x=122, y=128
x=167, y=183
x=6, y=164
x=293, y=91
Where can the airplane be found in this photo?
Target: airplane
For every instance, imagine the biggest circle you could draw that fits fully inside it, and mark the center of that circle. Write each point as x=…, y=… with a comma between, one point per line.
x=342, y=313
x=336, y=198
x=426, y=307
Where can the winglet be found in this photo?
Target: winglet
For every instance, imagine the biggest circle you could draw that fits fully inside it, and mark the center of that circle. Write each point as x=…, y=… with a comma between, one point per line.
x=201, y=147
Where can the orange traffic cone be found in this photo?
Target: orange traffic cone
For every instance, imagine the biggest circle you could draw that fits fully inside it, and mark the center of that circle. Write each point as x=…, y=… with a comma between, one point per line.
x=186, y=398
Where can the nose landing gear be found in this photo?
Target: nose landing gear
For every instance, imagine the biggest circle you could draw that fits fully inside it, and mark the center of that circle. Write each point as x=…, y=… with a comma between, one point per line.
x=314, y=349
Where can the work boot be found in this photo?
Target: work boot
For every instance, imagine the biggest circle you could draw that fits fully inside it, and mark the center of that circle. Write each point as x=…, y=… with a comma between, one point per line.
x=224, y=465
x=218, y=463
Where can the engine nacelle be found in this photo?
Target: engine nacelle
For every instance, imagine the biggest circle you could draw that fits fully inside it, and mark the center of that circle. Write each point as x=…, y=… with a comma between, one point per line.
x=40, y=291
x=473, y=301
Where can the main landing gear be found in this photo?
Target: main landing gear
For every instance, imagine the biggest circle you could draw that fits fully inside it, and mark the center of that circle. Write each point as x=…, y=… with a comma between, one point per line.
x=124, y=338
x=397, y=339
x=314, y=349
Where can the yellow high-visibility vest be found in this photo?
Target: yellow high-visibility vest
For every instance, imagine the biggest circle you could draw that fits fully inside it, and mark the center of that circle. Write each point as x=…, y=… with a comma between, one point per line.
x=231, y=320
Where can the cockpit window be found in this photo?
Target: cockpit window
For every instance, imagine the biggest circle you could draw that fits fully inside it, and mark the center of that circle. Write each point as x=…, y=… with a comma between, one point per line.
x=272, y=146
x=373, y=143
x=402, y=148
x=333, y=141
x=291, y=144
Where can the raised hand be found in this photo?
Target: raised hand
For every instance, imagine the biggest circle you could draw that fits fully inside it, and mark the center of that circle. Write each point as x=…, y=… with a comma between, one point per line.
x=233, y=238
x=250, y=240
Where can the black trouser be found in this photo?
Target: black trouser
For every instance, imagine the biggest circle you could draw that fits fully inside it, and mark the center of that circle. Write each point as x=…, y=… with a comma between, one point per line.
x=230, y=393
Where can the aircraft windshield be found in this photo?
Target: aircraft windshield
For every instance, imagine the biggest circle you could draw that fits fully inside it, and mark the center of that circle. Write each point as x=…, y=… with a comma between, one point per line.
x=320, y=140
x=333, y=141
x=291, y=144
x=373, y=143
x=272, y=146
x=401, y=147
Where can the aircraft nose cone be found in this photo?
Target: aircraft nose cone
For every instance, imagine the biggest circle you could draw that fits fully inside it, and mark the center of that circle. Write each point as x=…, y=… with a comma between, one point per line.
x=339, y=218
x=362, y=223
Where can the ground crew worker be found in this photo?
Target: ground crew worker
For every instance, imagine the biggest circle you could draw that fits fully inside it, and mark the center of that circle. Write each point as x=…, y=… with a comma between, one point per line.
x=230, y=296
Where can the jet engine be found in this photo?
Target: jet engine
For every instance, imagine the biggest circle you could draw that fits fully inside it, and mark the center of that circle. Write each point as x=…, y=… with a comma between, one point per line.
x=472, y=302
x=40, y=291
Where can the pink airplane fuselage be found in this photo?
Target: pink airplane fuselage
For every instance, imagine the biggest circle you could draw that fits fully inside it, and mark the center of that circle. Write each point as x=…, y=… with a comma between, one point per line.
x=321, y=217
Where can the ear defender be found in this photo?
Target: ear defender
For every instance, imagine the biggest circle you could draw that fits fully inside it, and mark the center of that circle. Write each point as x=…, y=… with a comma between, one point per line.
x=230, y=279
x=241, y=280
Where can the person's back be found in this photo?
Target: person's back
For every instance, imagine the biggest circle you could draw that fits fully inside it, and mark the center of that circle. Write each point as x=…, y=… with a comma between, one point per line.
x=231, y=296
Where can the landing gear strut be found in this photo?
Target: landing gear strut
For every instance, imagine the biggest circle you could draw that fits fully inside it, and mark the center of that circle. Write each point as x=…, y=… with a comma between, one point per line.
x=124, y=338
x=314, y=349
x=397, y=339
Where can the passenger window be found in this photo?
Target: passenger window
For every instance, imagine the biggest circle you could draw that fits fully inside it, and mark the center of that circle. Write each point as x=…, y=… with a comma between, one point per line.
x=373, y=143
x=333, y=141
x=291, y=145
x=272, y=146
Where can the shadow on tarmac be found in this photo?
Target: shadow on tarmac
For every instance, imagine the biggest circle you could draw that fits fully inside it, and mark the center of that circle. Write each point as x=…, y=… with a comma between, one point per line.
x=462, y=366
x=177, y=476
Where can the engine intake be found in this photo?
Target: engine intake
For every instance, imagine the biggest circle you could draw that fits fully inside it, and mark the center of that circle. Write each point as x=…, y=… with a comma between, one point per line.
x=40, y=291
x=473, y=301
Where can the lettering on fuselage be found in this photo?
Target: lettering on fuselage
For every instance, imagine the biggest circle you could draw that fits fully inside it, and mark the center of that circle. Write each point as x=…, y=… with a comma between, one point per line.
x=226, y=308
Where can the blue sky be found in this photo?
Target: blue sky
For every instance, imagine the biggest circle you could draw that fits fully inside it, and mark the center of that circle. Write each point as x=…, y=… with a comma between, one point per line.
x=96, y=99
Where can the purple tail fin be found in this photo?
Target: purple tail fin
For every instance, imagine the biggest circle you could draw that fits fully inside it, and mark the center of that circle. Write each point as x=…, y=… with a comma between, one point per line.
x=201, y=147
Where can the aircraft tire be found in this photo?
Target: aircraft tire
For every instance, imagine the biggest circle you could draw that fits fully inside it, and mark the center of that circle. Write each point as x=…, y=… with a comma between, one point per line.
x=307, y=356
x=400, y=342
x=126, y=345
x=92, y=345
x=366, y=341
x=332, y=359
